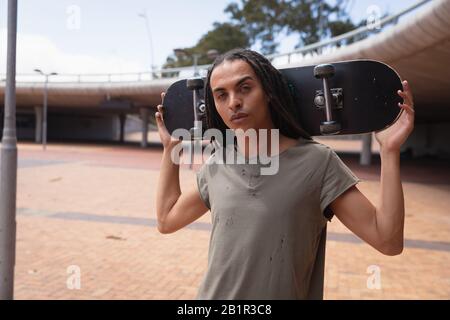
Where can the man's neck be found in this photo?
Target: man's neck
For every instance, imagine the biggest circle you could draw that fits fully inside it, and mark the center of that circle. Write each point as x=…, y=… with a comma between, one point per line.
x=268, y=143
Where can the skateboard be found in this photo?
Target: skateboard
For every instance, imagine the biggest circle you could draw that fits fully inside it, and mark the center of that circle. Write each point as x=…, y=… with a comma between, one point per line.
x=350, y=97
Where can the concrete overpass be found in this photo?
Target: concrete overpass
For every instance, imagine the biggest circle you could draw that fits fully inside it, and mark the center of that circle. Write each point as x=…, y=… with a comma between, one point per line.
x=418, y=47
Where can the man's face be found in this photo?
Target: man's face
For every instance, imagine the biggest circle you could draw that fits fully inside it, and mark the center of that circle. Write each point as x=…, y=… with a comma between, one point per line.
x=237, y=90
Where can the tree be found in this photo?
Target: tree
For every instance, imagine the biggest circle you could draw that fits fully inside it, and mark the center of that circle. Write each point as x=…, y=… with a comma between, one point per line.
x=224, y=37
x=312, y=20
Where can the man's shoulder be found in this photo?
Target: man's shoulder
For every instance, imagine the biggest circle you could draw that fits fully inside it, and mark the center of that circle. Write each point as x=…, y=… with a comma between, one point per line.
x=312, y=148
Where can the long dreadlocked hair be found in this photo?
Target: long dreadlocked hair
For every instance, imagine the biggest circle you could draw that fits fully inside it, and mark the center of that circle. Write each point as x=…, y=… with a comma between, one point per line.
x=281, y=104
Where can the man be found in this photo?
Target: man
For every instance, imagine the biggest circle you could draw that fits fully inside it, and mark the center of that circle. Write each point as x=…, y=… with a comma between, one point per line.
x=268, y=236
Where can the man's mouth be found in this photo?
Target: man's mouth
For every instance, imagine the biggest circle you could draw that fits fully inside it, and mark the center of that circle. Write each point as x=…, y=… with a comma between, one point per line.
x=238, y=117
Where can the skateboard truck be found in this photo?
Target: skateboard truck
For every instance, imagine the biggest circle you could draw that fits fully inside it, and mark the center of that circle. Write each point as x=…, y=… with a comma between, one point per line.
x=336, y=93
x=196, y=84
x=324, y=72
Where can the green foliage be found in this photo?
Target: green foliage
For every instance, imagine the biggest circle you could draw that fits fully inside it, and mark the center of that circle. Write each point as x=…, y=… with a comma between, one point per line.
x=224, y=37
x=311, y=20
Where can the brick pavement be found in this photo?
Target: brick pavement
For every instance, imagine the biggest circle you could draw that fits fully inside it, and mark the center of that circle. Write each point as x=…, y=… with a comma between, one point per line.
x=93, y=207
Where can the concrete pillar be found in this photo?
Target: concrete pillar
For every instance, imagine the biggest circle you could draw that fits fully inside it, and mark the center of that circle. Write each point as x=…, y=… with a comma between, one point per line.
x=122, y=119
x=38, y=111
x=366, y=152
x=144, y=117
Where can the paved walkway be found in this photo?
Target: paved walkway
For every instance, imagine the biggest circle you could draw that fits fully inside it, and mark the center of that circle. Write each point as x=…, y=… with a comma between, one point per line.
x=89, y=210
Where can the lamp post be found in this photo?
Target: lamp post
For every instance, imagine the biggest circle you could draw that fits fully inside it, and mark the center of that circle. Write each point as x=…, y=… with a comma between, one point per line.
x=8, y=165
x=44, y=118
x=150, y=41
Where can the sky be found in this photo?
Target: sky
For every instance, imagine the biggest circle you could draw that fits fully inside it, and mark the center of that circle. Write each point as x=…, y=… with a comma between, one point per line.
x=104, y=36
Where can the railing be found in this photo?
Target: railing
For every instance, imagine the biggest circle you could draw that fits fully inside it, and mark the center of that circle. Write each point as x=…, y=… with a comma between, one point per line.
x=332, y=44
x=110, y=77
x=309, y=51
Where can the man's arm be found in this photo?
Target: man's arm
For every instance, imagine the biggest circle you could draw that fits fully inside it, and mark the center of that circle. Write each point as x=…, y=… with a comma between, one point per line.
x=381, y=226
x=174, y=209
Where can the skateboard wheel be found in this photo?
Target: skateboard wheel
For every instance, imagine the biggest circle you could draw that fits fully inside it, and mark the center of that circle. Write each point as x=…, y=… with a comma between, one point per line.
x=202, y=108
x=195, y=83
x=330, y=127
x=324, y=71
x=319, y=101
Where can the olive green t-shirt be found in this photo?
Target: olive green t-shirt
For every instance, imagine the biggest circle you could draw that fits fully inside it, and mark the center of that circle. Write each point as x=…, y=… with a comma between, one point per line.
x=269, y=231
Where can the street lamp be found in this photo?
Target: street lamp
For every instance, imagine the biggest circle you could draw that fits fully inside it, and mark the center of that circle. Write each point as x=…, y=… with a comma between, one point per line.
x=149, y=34
x=44, y=118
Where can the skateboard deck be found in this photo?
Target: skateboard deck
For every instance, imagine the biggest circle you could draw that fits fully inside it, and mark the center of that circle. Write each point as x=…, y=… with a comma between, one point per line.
x=350, y=97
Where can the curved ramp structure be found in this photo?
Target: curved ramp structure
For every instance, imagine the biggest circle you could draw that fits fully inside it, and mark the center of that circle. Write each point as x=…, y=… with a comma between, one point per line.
x=90, y=95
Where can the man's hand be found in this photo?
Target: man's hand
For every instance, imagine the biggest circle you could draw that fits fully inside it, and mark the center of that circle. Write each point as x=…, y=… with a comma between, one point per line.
x=392, y=138
x=166, y=139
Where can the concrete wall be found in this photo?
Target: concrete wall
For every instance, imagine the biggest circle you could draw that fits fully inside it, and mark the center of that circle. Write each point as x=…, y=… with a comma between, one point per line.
x=83, y=127
x=68, y=127
x=429, y=139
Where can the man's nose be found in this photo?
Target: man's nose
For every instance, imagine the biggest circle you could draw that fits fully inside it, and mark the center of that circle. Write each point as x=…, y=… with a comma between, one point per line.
x=235, y=102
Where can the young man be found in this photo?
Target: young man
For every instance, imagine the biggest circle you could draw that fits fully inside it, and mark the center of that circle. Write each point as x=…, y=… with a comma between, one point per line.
x=268, y=236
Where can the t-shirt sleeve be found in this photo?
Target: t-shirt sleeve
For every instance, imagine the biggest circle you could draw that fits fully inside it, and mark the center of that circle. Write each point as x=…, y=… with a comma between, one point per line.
x=336, y=180
x=202, y=184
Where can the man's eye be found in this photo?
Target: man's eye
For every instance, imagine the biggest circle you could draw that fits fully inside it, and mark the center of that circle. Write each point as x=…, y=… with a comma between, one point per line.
x=245, y=88
x=221, y=96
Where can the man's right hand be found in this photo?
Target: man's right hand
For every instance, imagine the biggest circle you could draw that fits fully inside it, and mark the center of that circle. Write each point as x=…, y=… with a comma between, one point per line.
x=166, y=139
